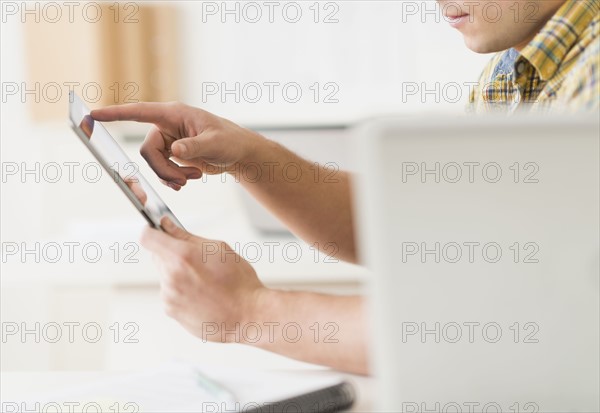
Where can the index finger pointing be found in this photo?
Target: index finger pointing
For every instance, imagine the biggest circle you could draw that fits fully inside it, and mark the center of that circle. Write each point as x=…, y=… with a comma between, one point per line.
x=148, y=112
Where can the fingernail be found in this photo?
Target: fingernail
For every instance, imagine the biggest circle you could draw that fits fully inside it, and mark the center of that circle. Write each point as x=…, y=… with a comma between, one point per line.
x=167, y=224
x=174, y=186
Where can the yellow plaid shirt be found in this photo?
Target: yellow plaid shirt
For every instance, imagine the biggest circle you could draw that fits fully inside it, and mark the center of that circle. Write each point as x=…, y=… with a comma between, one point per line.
x=557, y=70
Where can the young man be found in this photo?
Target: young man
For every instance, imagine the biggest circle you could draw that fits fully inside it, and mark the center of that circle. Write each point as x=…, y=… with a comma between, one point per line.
x=548, y=59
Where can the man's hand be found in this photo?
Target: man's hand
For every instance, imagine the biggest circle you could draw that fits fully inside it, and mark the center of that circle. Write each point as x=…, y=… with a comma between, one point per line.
x=312, y=200
x=204, y=283
x=215, y=295
x=185, y=142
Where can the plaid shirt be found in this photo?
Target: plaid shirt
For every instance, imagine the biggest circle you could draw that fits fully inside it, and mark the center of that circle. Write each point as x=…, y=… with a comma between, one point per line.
x=557, y=70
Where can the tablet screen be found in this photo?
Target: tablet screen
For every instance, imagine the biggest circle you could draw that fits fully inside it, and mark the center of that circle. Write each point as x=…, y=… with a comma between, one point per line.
x=115, y=161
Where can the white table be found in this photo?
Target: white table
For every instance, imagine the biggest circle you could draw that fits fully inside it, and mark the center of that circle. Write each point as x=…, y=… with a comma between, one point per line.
x=16, y=386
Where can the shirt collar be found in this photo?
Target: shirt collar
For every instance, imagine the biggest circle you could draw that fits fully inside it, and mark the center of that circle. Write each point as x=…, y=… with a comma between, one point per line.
x=550, y=46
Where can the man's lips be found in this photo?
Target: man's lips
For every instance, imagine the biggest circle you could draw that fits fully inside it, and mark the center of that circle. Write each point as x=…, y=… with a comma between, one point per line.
x=456, y=16
x=457, y=20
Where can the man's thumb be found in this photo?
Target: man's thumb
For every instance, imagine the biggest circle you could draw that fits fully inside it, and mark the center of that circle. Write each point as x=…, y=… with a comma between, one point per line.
x=173, y=230
x=190, y=148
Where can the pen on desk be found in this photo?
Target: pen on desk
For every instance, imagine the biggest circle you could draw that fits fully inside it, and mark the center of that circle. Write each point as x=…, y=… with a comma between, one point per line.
x=215, y=389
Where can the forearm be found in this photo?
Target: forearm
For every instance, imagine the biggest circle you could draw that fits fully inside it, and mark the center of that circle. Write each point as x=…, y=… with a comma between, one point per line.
x=315, y=328
x=314, y=201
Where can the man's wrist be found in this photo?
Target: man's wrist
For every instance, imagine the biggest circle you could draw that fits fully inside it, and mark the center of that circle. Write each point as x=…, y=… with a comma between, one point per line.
x=257, y=149
x=259, y=310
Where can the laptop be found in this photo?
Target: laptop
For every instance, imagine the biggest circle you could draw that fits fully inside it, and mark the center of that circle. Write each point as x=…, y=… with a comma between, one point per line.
x=325, y=145
x=482, y=235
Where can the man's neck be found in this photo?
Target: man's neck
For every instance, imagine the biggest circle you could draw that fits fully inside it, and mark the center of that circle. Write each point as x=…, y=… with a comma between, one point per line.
x=556, y=5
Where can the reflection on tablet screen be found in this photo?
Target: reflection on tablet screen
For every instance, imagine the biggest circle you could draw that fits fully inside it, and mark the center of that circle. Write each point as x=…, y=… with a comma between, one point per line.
x=114, y=160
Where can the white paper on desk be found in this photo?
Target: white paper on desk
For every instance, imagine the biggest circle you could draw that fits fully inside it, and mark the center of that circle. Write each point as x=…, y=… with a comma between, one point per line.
x=173, y=387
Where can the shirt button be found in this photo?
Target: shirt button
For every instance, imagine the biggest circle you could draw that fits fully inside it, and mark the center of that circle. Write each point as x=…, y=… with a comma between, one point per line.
x=520, y=68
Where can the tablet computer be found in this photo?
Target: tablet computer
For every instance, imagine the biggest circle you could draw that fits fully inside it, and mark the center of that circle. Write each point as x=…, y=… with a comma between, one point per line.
x=117, y=164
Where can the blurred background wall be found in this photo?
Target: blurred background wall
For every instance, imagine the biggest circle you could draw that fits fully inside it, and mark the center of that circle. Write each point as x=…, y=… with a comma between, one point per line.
x=112, y=53
x=349, y=60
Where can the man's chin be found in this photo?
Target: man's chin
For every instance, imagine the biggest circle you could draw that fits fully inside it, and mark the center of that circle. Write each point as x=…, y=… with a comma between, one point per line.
x=482, y=47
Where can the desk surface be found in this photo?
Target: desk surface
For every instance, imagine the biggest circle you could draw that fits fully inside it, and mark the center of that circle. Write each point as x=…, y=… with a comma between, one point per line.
x=15, y=386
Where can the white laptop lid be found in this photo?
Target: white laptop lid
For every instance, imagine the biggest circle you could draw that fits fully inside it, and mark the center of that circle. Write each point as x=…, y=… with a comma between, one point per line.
x=483, y=238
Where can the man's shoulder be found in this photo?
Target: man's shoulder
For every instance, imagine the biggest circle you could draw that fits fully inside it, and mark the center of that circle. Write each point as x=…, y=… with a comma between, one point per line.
x=581, y=87
x=590, y=55
x=586, y=49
